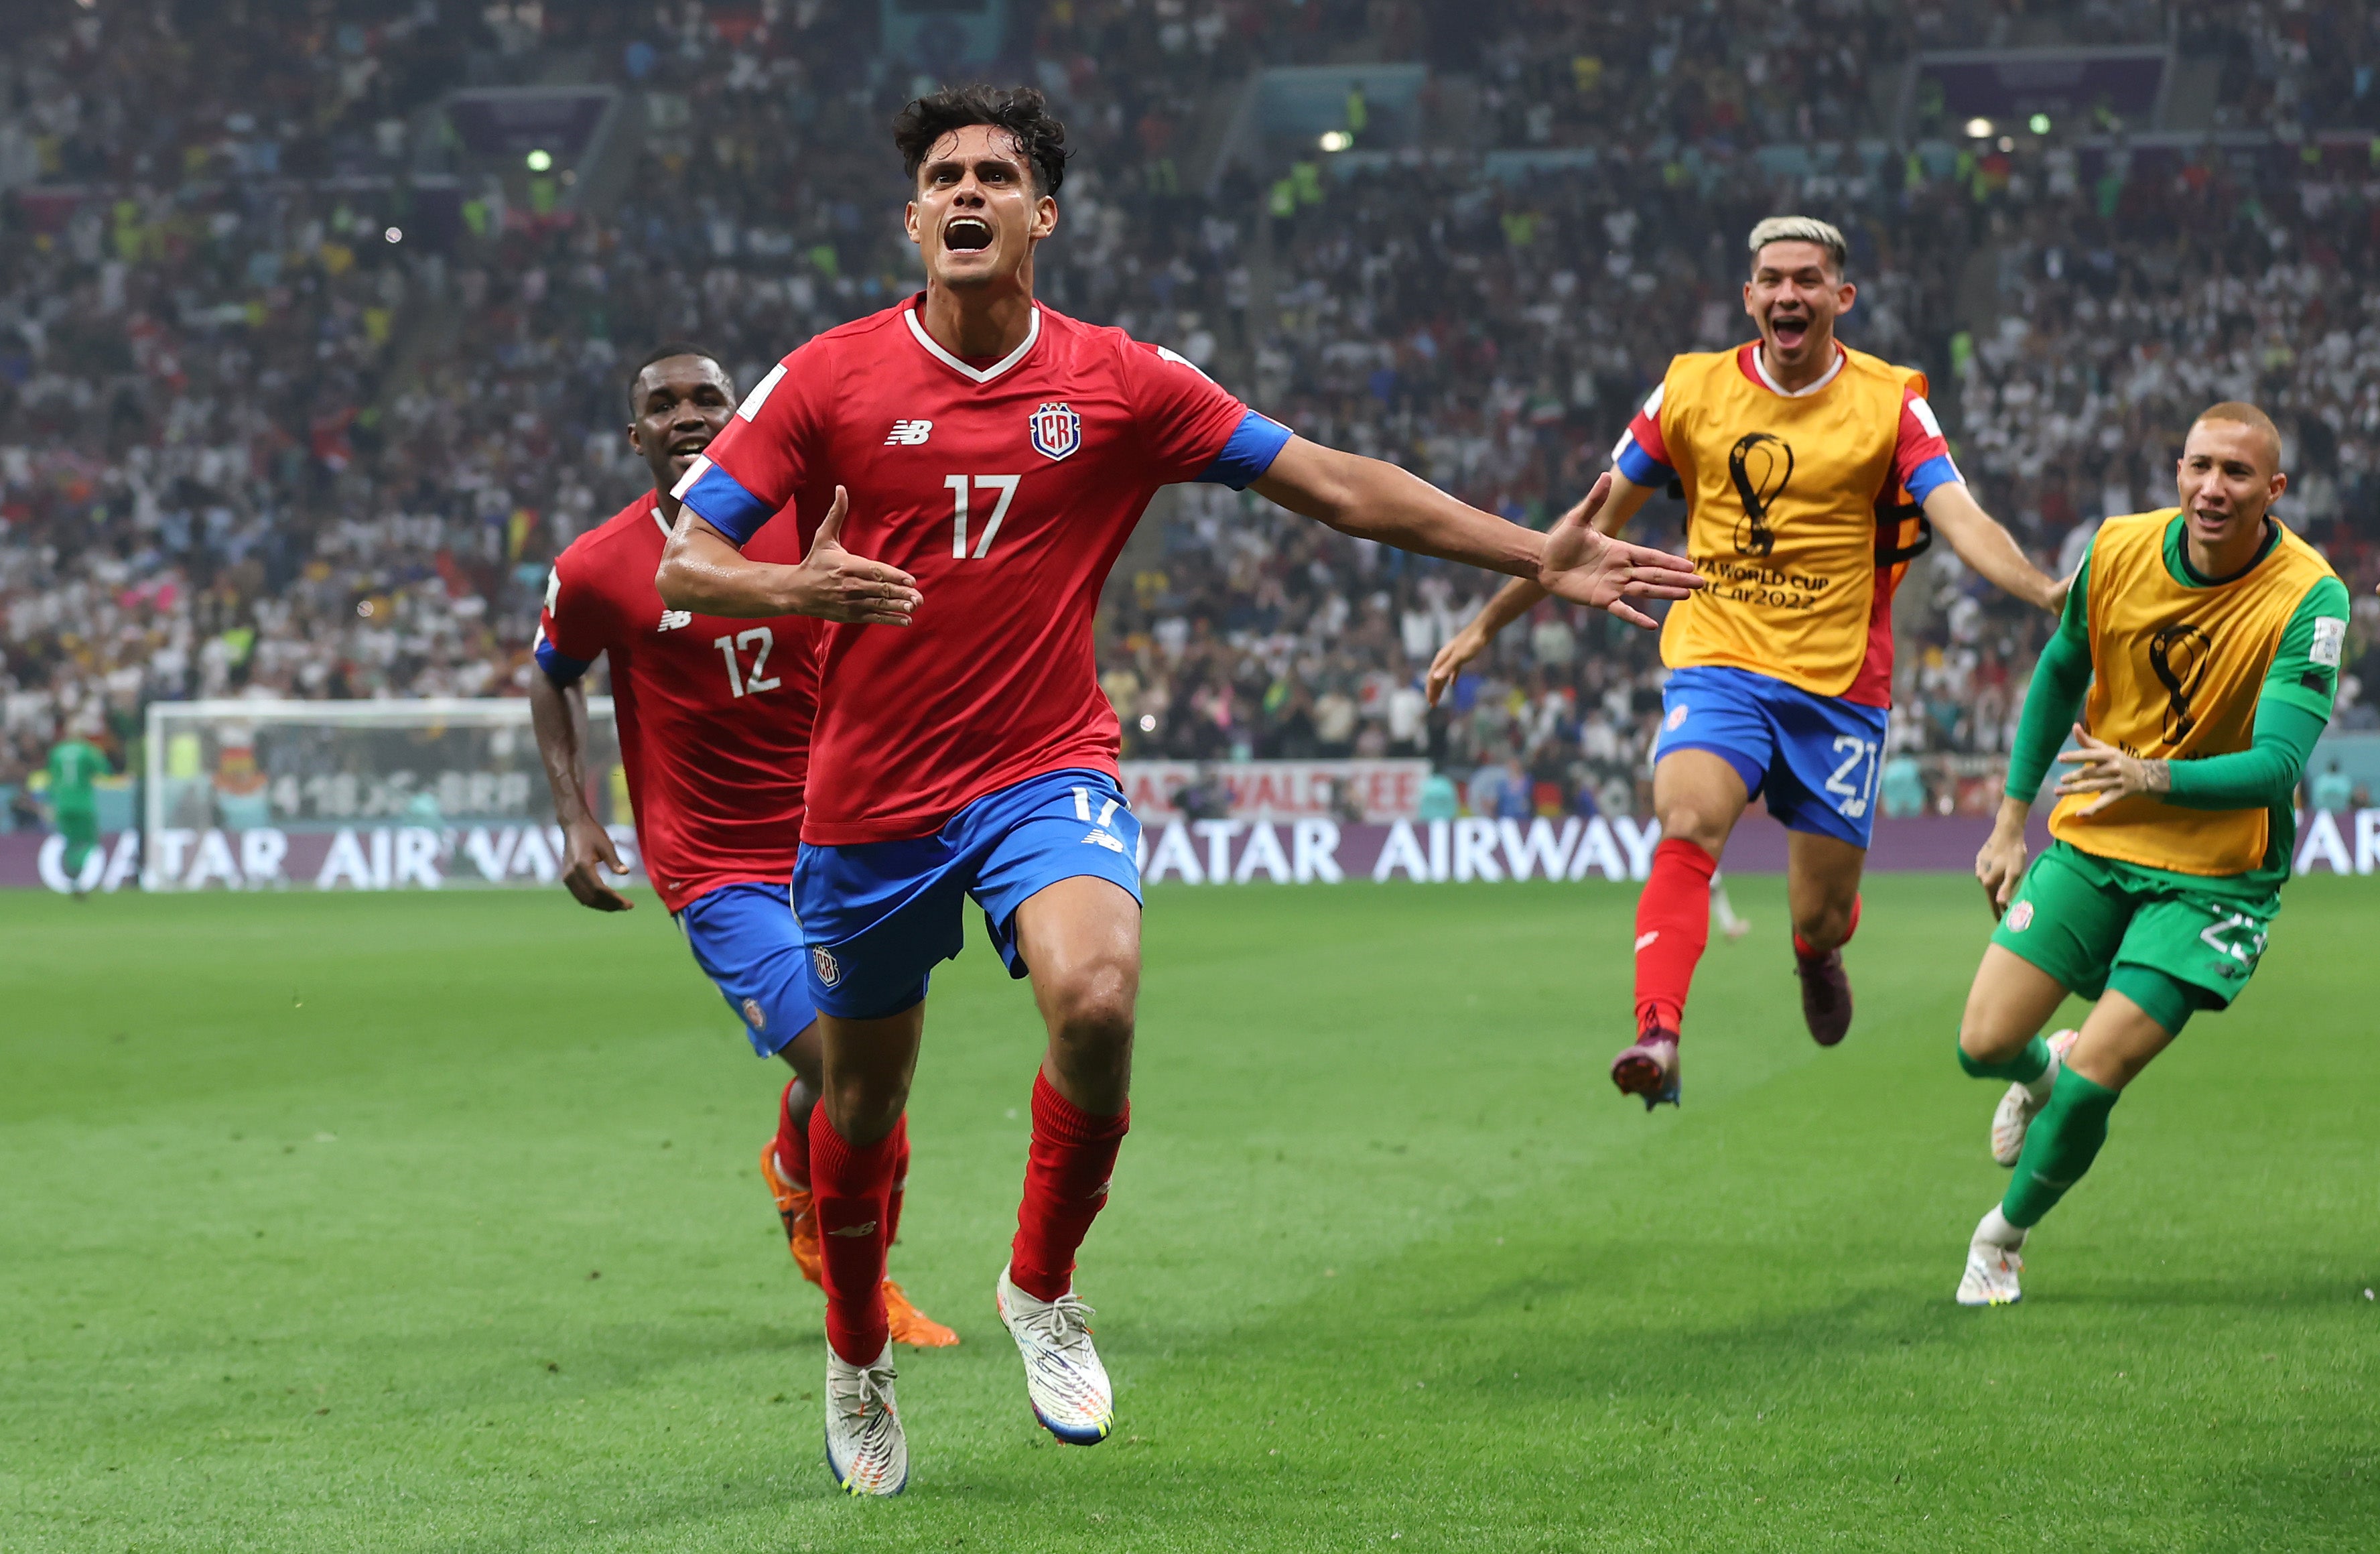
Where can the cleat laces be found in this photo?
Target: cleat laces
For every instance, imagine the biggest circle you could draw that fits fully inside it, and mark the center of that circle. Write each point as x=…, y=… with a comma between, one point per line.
x=862, y=1397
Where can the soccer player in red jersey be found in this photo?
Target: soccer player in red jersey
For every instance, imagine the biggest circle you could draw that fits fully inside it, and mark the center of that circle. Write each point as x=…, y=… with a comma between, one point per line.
x=714, y=720
x=999, y=453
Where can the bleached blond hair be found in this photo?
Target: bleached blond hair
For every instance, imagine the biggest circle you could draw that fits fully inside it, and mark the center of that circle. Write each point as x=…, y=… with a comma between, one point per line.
x=1801, y=229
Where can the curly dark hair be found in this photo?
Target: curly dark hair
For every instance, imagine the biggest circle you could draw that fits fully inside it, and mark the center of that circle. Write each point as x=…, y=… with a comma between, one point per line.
x=1022, y=110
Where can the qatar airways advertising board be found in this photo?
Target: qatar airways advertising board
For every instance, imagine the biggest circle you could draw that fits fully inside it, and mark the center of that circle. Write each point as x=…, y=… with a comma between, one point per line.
x=1283, y=849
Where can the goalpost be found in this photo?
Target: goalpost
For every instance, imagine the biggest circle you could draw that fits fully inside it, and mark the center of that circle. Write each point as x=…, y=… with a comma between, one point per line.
x=384, y=794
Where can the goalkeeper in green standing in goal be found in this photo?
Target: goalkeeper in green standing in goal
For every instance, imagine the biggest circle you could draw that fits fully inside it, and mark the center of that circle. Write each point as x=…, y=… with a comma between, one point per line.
x=75, y=765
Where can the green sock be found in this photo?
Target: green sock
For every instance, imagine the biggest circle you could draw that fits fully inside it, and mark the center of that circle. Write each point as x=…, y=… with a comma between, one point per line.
x=2025, y=1068
x=2058, y=1148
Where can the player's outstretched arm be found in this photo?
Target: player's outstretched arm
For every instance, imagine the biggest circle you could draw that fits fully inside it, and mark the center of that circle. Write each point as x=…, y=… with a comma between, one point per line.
x=702, y=570
x=1979, y=540
x=1373, y=500
x=558, y=713
x=1522, y=595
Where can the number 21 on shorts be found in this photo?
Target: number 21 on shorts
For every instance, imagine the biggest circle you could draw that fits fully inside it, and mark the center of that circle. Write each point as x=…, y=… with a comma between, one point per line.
x=1852, y=797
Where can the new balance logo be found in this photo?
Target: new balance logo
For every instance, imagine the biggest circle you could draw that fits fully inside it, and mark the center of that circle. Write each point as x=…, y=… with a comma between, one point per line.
x=675, y=620
x=1645, y=941
x=909, y=434
x=854, y=1232
x=1112, y=842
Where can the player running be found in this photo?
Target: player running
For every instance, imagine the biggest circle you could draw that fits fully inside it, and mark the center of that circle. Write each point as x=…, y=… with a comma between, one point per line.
x=75, y=765
x=1000, y=453
x=2208, y=637
x=1813, y=474
x=714, y=720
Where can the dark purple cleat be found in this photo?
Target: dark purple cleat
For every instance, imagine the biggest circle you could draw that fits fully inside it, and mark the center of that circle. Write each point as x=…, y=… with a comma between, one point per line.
x=1649, y=1069
x=1825, y=996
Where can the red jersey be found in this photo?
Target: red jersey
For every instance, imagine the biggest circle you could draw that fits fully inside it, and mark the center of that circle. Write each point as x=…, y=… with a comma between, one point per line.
x=1006, y=488
x=714, y=714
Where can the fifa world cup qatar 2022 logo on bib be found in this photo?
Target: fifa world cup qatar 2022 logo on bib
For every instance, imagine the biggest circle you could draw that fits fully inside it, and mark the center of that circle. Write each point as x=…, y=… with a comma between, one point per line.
x=1057, y=431
x=1760, y=465
x=2178, y=655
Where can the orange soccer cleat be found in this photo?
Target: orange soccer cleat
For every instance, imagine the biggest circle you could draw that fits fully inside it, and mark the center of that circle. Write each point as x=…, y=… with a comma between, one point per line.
x=911, y=1326
x=794, y=1208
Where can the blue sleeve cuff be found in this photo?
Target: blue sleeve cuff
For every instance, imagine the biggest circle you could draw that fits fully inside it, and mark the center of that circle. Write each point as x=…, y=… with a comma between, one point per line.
x=1931, y=476
x=725, y=505
x=1639, y=468
x=559, y=666
x=1253, y=444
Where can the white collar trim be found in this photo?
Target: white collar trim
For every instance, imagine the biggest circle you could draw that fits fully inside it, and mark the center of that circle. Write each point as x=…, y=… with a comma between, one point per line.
x=1760, y=365
x=659, y=522
x=973, y=374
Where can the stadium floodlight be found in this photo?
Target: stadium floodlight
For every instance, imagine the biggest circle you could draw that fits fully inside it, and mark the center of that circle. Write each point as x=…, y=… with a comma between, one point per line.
x=1336, y=140
x=431, y=793
x=394, y=235
x=1979, y=128
x=541, y=161
x=2038, y=124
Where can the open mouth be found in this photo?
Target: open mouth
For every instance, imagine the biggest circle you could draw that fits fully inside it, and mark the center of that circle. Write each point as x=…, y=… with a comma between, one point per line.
x=688, y=447
x=967, y=233
x=1789, y=331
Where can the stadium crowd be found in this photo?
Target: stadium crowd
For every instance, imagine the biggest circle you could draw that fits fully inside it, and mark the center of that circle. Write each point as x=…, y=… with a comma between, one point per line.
x=267, y=428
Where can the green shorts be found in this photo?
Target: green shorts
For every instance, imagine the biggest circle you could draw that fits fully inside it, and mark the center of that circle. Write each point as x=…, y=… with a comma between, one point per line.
x=80, y=827
x=2078, y=917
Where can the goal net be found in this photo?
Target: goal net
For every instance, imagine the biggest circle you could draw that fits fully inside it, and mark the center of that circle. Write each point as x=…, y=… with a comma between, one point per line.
x=361, y=795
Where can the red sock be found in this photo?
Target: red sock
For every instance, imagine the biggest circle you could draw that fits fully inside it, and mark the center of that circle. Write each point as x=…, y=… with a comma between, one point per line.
x=792, y=1140
x=1066, y=1184
x=900, y=1181
x=1672, y=926
x=852, y=1185
x=1802, y=946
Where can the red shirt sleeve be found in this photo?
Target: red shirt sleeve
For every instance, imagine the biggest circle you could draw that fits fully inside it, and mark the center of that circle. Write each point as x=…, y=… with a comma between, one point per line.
x=1183, y=417
x=754, y=465
x=570, y=631
x=1920, y=456
x=1642, y=455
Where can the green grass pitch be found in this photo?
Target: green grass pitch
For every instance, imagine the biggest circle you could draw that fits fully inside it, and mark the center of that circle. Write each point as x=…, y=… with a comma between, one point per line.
x=308, y=1197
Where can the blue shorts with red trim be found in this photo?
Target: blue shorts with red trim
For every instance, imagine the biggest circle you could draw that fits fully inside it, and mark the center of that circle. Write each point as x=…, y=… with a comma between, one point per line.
x=879, y=916
x=1813, y=757
x=749, y=943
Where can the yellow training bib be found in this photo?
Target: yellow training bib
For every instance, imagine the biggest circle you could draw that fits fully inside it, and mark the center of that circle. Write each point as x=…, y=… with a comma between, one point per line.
x=1789, y=515
x=2176, y=673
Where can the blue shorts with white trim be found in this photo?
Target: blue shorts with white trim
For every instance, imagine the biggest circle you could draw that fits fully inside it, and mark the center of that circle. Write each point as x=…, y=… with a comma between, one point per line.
x=747, y=942
x=879, y=916
x=1812, y=758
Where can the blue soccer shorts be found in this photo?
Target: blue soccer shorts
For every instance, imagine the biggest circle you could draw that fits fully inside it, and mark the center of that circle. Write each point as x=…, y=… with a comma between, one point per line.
x=879, y=915
x=747, y=942
x=1813, y=757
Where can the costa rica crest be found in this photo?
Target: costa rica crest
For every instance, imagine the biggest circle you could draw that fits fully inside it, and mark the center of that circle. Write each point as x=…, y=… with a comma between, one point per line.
x=1057, y=431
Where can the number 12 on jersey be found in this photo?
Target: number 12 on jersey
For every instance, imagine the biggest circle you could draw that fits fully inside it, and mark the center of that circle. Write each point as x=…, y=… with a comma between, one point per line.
x=959, y=485
x=757, y=642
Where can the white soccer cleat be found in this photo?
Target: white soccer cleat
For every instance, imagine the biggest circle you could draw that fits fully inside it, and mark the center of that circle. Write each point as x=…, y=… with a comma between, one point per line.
x=1992, y=1272
x=866, y=1451
x=1068, y=1387
x=2020, y=1106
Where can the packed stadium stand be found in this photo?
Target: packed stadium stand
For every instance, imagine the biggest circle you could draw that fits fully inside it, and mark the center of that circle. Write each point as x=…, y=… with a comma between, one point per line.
x=310, y=361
